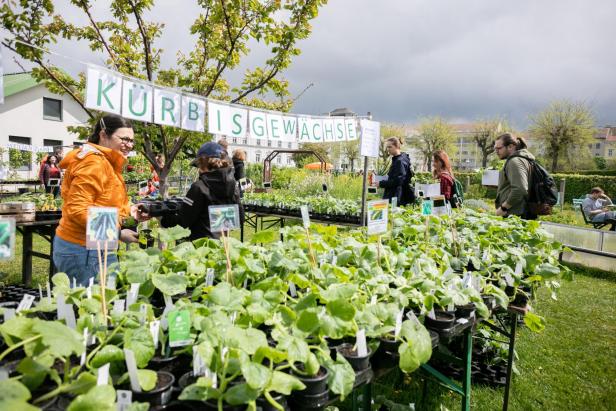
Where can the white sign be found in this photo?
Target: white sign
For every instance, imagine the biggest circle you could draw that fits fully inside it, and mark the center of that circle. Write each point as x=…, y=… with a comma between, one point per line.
x=490, y=178
x=370, y=138
x=428, y=190
x=167, y=107
x=377, y=212
x=351, y=129
x=339, y=130
x=275, y=126
x=315, y=128
x=193, y=113
x=258, y=124
x=137, y=98
x=289, y=128
x=103, y=90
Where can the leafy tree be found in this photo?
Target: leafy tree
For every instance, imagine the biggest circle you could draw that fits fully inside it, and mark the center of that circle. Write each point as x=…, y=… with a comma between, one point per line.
x=301, y=159
x=223, y=31
x=485, y=133
x=565, y=128
x=600, y=163
x=350, y=149
x=434, y=134
x=383, y=161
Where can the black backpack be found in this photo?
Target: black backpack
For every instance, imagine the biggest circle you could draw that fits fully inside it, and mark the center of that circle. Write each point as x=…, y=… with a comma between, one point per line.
x=542, y=191
x=458, y=194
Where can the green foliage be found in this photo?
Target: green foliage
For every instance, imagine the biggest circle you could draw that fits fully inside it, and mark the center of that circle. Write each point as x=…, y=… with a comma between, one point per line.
x=19, y=159
x=600, y=163
x=434, y=134
x=301, y=159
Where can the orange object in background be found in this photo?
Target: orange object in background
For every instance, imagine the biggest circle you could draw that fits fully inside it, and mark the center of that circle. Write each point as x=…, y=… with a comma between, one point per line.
x=317, y=166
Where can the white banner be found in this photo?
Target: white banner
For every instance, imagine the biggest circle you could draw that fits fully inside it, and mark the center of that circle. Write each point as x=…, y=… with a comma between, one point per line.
x=137, y=98
x=315, y=125
x=328, y=130
x=218, y=116
x=258, y=124
x=28, y=147
x=193, y=113
x=339, y=130
x=289, y=128
x=351, y=129
x=104, y=90
x=370, y=138
x=275, y=126
x=303, y=130
x=1, y=79
x=167, y=107
x=239, y=122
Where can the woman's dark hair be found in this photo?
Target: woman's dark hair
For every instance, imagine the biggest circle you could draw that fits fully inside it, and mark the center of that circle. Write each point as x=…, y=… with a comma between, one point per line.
x=109, y=124
x=442, y=156
x=48, y=161
x=509, y=139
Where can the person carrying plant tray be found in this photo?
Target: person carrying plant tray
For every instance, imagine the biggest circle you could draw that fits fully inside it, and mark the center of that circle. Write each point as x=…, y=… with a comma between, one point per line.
x=215, y=186
x=93, y=177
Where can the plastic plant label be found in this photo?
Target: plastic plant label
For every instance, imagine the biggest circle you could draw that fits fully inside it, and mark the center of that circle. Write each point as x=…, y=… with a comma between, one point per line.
x=292, y=289
x=131, y=296
x=245, y=283
x=168, y=308
x=90, y=282
x=131, y=366
x=26, y=302
x=305, y=216
x=426, y=207
x=168, y=301
x=4, y=374
x=111, y=283
x=74, y=283
x=89, y=292
x=143, y=311
x=224, y=217
x=360, y=341
x=179, y=328
x=398, y=326
x=101, y=228
x=394, y=203
x=377, y=213
x=102, y=377
x=9, y=313
x=451, y=307
x=60, y=306
x=198, y=365
x=462, y=320
x=40, y=292
x=322, y=261
x=69, y=316
x=399, y=272
x=334, y=260
x=82, y=361
x=209, y=277
x=509, y=279
x=118, y=306
x=412, y=317
x=154, y=330
x=48, y=290
x=373, y=299
x=518, y=269
x=7, y=238
x=467, y=281
x=125, y=399
x=448, y=272
x=431, y=314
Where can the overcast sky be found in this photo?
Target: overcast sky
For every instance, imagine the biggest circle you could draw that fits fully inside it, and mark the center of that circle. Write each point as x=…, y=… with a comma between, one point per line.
x=406, y=59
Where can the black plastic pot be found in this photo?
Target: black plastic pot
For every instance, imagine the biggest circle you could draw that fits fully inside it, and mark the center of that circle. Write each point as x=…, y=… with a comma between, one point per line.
x=175, y=364
x=207, y=405
x=315, y=385
x=465, y=311
x=358, y=363
x=300, y=402
x=441, y=321
x=161, y=394
x=388, y=343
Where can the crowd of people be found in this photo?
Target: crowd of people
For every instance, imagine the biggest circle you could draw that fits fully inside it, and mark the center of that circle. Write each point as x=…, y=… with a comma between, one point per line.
x=92, y=176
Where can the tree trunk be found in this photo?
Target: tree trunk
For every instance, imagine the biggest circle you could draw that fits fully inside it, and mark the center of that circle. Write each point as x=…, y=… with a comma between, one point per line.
x=554, y=161
x=484, y=160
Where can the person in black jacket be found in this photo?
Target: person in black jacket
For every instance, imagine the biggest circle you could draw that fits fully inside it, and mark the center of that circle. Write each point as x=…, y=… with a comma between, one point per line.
x=399, y=175
x=239, y=158
x=215, y=186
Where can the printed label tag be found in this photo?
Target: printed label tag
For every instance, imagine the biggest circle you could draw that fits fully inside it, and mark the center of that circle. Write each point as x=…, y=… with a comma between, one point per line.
x=305, y=216
x=102, y=377
x=85, y=347
x=102, y=227
x=431, y=314
x=360, y=340
x=69, y=316
x=198, y=365
x=426, y=207
x=154, y=330
x=131, y=366
x=209, y=277
x=179, y=328
x=224, y=217
x=7, y=238
x=26, y=302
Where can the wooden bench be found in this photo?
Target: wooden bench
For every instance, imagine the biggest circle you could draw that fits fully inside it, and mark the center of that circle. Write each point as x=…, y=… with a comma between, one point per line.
x=597, y=225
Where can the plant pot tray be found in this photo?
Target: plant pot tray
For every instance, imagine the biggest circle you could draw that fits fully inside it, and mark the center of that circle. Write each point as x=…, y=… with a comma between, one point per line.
x=457, y=329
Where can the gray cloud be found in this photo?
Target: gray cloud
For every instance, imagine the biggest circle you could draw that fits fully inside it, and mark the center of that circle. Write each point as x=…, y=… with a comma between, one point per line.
x=406, y=59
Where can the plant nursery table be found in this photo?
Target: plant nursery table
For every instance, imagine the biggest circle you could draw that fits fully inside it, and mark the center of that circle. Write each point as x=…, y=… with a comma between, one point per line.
x=47, y=230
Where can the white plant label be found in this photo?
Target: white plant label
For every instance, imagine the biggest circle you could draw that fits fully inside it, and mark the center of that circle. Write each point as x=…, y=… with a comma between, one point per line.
x=125, y=399
x=26, y=302
x=451, y=306
x=373, y=299
x=198, y=365
x=398, y=326
x=509, y=279
x=305, y=216
x=209, y=277
x=462, y=320
x=111, y=283
x=60, y=306
x=40, y=292
x=485, y=255
x=131, y=366
x=334, y=259
x=143, y=311
x=411, y=316
x=85, y=347
x=102, y=377
x=154, y=330
x=74, y=282
x=431, y=314
x=168, y=301
x=69, y=316
x=518, y=269
x=4, y=374
x=89, y=292
x=292, y=289
x=360, y=340
x=118, y=306
x=448, y=273
x=90, y=282
x=394, y=203
x=131, y=297
x=9, y=313
x=233, y=317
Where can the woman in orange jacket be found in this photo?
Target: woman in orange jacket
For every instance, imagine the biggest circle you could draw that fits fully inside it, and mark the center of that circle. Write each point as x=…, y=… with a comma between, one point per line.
x=93, y=178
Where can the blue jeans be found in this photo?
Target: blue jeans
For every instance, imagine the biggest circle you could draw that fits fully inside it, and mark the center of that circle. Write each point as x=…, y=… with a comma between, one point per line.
x=78, y=262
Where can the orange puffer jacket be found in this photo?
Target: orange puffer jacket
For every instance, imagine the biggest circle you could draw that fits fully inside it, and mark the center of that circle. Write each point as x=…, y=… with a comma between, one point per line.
x=93, y=177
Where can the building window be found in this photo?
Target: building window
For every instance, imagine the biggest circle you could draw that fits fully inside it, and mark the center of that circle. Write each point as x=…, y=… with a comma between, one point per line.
x=590, y=146
x=279, y=143
x=52, y=143
x=289, y=159
x=234, y=140
x=77, y=144
x=258, y=142
x=257, y=157
x=245, y=141
x=20, y=160
x=610, y=152
x=290, y=145
x=279, y=160
x=52, y=109
x=269, y=143
x=598, y=146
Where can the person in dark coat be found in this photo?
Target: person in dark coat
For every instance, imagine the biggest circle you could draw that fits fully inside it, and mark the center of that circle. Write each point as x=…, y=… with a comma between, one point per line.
x=215, y=186
x=399, y=175
x=239, y=159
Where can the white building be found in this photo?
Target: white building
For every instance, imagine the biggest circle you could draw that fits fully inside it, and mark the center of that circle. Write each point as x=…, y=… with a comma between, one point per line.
x=33, y=115
x=257, y=149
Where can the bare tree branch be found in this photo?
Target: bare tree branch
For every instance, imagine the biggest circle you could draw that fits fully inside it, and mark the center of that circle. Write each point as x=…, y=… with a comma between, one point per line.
x=86, y=9
x=146, y=41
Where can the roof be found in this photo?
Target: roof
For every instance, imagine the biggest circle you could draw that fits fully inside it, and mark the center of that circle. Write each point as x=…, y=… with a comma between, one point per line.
x=18, y=82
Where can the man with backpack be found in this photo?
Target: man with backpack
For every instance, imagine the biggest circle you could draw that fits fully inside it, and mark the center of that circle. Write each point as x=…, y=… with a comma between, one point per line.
x=525, y=188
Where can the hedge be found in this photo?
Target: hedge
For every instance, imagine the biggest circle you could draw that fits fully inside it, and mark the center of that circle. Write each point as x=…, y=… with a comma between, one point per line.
x=604, y=173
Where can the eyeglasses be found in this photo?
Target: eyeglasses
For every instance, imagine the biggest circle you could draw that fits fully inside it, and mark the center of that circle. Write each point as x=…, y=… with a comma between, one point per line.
x=127, y=140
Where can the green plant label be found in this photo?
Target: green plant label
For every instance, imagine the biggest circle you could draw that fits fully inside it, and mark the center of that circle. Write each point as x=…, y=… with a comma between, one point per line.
x=178, y=322
x=102, y=228
x=7, y=238
x=377, y=212
x=426, y=207
x=224, y=218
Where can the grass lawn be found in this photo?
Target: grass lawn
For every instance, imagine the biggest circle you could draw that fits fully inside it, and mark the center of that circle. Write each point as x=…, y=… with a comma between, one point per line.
x=571, y=365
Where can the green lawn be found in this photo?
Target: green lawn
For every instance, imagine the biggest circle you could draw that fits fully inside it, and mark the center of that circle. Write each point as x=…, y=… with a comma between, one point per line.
x=571, y=365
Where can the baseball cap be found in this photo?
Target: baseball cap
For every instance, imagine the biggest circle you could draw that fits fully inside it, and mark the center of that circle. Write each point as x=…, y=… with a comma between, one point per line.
x=210, y=149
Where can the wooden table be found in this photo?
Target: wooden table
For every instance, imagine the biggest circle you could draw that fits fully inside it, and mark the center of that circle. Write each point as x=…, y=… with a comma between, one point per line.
x=47, y=230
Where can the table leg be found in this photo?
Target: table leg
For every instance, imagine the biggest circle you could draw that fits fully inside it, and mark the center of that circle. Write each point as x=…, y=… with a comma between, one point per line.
x=467, y=363
x=26, y=262
x=514, y=323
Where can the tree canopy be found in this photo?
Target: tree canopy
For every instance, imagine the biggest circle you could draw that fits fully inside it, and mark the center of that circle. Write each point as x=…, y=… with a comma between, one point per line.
x=434, y=134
